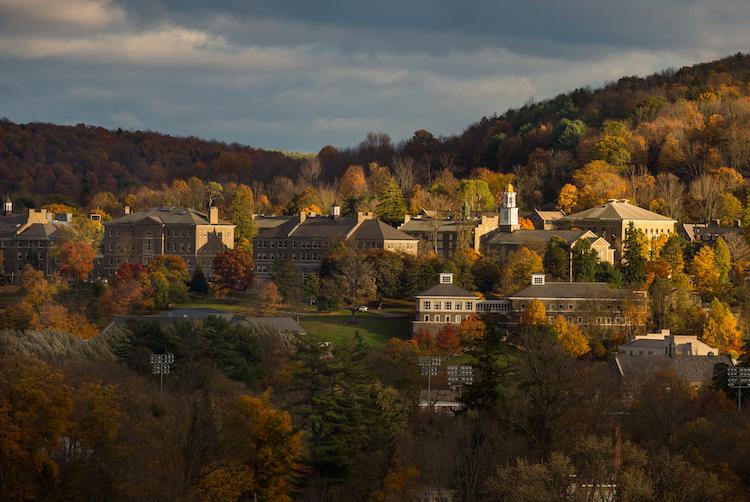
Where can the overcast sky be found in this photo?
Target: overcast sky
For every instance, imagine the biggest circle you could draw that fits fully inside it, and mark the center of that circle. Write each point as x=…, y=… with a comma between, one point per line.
x=300, y=74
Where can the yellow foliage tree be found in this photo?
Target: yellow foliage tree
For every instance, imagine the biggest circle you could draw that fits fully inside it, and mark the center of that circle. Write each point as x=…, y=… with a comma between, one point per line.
x=261, y=452
x=535, y=314
x=720, y=329
x=704, y=271
x=597, y=182
x=400, y=484
x=471, y=330
x=568, y=198
x=352, y=182
x=570, y=336
x=518, y=269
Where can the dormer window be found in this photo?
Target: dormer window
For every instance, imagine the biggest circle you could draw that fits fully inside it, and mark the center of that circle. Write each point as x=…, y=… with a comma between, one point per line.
x=446, y=278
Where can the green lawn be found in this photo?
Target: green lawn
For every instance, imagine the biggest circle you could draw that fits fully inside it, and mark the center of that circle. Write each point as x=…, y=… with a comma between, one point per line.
x=375, y=330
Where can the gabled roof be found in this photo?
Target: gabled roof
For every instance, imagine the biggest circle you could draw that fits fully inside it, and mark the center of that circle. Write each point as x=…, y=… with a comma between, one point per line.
x=42, y=231
x=378, y=230
x=532, y=237
x=549, y=215
x=447, y=290
x=585, y=290
x=167, y=216
x=616, y=210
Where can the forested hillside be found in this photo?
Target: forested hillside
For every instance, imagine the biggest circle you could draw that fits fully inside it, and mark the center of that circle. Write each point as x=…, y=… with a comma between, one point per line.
x=677, y=141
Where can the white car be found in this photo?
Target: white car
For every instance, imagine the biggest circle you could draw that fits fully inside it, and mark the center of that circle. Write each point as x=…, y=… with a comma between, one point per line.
x=362, y=308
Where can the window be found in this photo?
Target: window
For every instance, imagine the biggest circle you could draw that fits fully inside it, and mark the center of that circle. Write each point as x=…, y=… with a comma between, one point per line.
x=437, y=318
x=438, y=305
x=580, y=320
x=570, y=306
x=426, y=318
x=523, y=306
x=426, y=305
x=550, y=318
x=458, y=318
x=538, y=280
x=458, y=305
x=149, y=243
x=469, y=305
x=445, y=279
x=447, y=318
x=448, y=305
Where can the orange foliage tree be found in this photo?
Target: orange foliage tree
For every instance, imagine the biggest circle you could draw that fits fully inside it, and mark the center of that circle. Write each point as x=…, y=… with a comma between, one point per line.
x=76, y=260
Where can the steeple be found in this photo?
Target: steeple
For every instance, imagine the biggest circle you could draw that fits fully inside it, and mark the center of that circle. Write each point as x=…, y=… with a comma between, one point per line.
x=509, y=211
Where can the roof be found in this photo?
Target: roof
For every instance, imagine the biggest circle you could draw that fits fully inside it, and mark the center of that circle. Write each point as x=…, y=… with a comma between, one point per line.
x=549, y=215
x=694, y=369
x=585, y=290
x=9, y=225
x=378, y=230
x=644, y=344
x=447, y=290
x=617, y=210
x=326, y=227
x=165, y=215
x=532, y=237
x=442, y=225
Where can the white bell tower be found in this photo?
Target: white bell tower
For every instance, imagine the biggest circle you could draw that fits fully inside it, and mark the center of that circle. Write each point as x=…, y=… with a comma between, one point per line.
x=8, y=206
x=509, y=211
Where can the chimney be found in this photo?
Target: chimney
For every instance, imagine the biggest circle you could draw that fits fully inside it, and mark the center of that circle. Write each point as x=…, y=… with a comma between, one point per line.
x=407, y=219
x=127, y=209
x=302, y=216
x=213, y=215
x=336, y=211
x=364, y=215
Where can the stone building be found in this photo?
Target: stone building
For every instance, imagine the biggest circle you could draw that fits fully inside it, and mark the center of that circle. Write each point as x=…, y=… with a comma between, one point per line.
x=139, y=236
x=666, y=344
x=612, y=219
x=306, y=239
x=582, y=303
x=444, y=303
x=545, y=219
x=28, y=238
x=445, y=236
x=501, y=244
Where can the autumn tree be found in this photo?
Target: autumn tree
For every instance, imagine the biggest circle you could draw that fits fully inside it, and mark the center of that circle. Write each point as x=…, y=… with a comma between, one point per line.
x=567, y=201
x=233, y=269
x=706, y=275
x=76, y=260
x=169, y=278
x=352, y=183
x=471, y=330
x=535, y=314
x=447, y=340
x=260, y=453
x=518, y=269
x=597, y=182
x=720, y=329
x=35, y=406
x=570, y=337
x=268, y=299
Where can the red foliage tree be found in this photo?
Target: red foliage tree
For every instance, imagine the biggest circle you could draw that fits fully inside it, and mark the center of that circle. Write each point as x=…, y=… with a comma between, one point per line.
x=233, y=270
x=447, y=340
x=76, y=260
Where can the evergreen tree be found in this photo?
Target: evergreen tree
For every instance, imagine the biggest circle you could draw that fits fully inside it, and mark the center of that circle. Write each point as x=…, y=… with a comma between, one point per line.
x=634, y=261
x=198, y=282
x=585, y=261
x=485, y=393
x=241, y=214
x=723, y=260
x=557, y=259
x=391, y=205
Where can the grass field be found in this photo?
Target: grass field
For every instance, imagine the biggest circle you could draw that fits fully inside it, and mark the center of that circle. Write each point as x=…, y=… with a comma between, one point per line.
x=375, y=330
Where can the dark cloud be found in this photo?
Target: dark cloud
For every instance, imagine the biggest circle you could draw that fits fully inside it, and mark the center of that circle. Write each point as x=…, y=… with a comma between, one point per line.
x=299, y=75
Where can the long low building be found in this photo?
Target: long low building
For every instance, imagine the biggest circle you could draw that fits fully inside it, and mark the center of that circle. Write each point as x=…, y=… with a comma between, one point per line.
x=305, y=239
x=582, y=303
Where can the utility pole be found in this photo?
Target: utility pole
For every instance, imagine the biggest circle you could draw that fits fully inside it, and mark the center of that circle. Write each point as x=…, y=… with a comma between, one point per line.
x=570, y=266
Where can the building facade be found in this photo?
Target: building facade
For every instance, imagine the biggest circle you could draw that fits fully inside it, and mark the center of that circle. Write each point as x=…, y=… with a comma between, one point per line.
x=500, y=244
x=445, y=236
x=305, y=240
x=611, y=220
x=444, y=303
x=29, y=238
x=137, y=237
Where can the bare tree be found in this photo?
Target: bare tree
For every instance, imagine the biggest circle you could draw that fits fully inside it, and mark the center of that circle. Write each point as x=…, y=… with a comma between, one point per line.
x=403, y=172
x=670, y=189
x=309, y=172
x=738, y=247
x=706, y=190
x=642, y=185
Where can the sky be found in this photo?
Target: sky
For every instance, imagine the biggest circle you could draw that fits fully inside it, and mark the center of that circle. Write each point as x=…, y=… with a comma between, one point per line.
x=300, y=74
